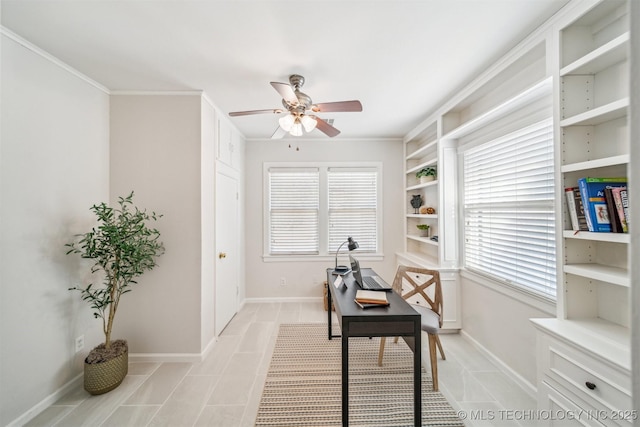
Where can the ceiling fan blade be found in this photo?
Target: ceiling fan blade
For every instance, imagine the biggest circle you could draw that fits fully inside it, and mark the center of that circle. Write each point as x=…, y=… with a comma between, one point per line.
x=336, y=107
x=286, y=92
x=326, y=128
x=279, y=133
x=251, y=112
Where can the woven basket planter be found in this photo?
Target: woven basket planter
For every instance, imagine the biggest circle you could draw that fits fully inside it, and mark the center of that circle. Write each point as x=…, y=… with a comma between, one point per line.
x=103, y=377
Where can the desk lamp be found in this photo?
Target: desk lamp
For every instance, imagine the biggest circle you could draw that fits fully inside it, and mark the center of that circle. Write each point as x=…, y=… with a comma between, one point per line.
x=343, y=269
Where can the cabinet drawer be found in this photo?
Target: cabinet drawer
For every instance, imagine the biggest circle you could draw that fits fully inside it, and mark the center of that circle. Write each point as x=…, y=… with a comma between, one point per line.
x=602, y=386
x=562, y=411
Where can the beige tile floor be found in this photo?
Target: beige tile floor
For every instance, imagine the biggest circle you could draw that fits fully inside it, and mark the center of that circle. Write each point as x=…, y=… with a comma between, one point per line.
x=224, y=390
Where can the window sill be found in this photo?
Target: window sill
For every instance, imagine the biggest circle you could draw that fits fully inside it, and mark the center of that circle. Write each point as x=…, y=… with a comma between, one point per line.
x=322, y=258
x=536, y=301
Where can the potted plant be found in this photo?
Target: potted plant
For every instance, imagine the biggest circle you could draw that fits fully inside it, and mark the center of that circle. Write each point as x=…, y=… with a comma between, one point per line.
x=123, y=247
x=424, y=229
x=426, y=174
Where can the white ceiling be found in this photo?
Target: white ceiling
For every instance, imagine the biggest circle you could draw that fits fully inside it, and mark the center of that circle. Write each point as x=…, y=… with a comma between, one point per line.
x=400, y=58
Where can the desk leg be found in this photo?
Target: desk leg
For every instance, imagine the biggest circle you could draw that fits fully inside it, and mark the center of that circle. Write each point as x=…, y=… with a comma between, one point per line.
x=345, y=376
x=329, y=303
x=417, y=376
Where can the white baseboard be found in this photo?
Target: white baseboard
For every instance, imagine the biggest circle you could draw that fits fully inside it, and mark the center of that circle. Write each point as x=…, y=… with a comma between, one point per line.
x=282, y=299
x=47, y=401
x=529, y=388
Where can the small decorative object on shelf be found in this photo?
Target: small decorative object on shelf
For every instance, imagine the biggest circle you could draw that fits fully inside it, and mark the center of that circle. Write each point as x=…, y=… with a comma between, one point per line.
x=427, y=210
x=424, y=229
x=416, y=202
x=426, y=174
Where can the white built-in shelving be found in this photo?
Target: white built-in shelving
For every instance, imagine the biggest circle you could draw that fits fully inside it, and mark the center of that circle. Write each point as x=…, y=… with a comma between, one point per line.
x=591, y=329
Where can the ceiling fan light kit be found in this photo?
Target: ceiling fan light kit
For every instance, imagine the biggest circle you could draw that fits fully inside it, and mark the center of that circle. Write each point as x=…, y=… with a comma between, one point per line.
x=297, y=104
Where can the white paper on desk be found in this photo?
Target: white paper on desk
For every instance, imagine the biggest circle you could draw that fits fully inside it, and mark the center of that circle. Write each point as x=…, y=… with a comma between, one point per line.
x=337, y=282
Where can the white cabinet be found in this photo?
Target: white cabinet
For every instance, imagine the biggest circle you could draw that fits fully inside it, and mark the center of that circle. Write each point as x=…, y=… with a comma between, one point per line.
x=581, y=384
x=589, y=339
x=228, y=144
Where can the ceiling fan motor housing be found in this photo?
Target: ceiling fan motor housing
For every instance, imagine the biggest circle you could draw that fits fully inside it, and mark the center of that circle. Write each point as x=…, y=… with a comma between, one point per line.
x=296, y=80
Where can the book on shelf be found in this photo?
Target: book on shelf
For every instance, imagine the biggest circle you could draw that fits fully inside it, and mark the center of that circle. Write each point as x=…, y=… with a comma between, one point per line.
x=612, y=211
x=365, y=298
x=575, y=209
x=592, y=191
x=621, y=202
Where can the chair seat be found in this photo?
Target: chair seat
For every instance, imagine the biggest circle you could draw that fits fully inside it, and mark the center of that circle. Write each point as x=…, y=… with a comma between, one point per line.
x=430, y=320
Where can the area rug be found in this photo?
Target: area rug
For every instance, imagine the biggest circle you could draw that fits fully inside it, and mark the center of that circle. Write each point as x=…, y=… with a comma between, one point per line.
x=303, y=385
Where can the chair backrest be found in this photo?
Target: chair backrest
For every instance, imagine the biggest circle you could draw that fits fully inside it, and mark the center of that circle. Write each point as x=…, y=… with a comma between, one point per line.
x=420, y=286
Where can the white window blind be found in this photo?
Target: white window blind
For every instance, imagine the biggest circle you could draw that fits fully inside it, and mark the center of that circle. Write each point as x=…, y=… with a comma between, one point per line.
x=294, y=203
x=353, y=207
x=509, y=209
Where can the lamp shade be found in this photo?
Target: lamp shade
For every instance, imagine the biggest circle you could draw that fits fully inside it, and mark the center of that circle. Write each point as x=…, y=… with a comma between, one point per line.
x=287, y=121
x=309, y=123
x=296, y=129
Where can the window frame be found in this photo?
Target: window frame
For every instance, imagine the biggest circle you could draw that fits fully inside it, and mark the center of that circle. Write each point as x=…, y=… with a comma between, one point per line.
x=324, y=254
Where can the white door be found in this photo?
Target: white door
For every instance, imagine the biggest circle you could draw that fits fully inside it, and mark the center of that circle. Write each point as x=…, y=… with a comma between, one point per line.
x=227, y=262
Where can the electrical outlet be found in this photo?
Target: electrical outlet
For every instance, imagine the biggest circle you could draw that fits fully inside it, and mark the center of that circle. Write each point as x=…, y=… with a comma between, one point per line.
x=79, y=343
x=283, y=281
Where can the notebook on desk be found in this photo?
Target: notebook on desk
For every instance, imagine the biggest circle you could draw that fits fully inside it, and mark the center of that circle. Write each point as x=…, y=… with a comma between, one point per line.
x=372, y=283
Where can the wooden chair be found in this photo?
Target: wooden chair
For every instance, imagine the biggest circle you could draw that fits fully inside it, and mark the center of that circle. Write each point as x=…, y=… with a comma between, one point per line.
x=422, y=289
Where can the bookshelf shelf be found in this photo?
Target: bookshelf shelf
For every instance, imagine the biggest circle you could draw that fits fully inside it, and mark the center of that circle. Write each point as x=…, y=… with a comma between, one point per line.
x=420, y=152
x=600, y=237
x=420, y=186
x=611, y=111
x=600, y=59
x=622, y=159
x=424, y=216
x=422, y=239
x=605, y=273
x=430, y=162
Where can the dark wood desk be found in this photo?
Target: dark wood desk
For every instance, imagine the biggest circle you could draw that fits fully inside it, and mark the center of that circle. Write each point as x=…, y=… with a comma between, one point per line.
x=398, y=319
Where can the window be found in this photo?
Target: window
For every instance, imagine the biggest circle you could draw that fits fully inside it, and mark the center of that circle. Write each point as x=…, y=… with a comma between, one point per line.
x=509, y=210
x=353, y=207
x=313, y=208
x=294, y=205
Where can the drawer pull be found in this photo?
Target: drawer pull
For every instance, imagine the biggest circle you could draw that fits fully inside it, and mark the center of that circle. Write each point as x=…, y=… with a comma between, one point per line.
x=590, y=385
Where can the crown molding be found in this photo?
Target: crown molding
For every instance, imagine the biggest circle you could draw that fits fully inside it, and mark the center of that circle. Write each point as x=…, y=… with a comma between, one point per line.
x=46, y=55
x=157, y=92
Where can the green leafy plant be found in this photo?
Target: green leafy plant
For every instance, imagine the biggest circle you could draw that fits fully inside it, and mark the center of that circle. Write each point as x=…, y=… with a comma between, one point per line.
x=422, y=226
x=123, y=247
x=428, y=171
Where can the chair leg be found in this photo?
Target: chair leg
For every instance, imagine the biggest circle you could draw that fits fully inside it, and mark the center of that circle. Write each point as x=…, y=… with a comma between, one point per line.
x=440, y=347
x=381, y=351
x=433, y=355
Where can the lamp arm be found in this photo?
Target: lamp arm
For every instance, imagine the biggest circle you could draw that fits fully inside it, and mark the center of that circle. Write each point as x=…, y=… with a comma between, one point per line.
x=339, y=247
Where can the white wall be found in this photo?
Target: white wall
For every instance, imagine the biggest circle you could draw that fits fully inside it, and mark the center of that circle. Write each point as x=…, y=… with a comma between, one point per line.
x=304, y=279
x=500, y=324
x=53, y=166
x=156, y=151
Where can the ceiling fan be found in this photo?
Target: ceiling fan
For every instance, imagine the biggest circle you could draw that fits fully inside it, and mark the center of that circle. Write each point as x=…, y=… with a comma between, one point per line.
x=298, y=105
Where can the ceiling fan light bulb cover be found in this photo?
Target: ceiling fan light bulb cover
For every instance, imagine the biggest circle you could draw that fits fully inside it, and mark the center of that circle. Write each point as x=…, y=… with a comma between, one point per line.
x=308, y=123
x=286, y=122
x=296, y=129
